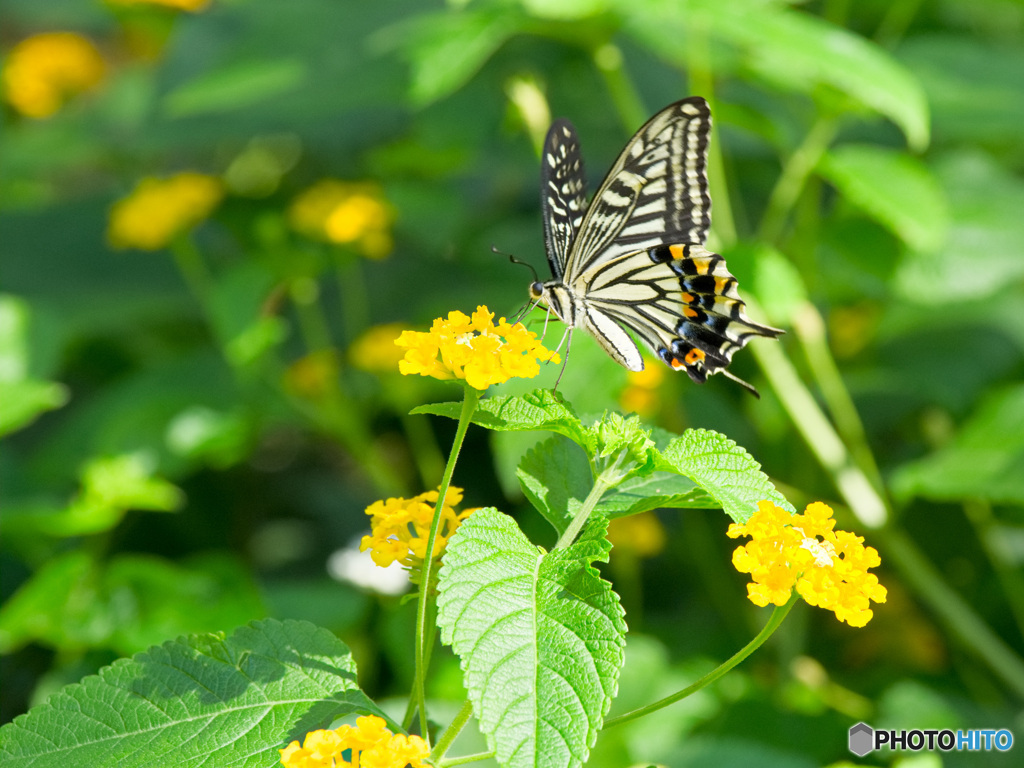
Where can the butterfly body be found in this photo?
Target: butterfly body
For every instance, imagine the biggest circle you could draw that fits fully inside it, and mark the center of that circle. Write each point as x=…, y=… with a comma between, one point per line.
x=634, y=260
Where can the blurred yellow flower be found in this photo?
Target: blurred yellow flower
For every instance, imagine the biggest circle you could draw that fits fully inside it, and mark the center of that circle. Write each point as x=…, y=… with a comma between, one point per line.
x=473, y=349
x=42, y=71
x=313, y=375
x=160, y=209
x=178, y=5
x=400, y=528
x=345, y=213
x=369, y=744
x=641, y=395
x=640, y=535
x=828, y=568
x=374, y=350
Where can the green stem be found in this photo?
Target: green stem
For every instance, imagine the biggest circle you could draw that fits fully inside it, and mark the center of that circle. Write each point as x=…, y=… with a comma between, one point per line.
x=794, y=175
x=810, y=330
x=466, y=759
x=774, y=621
x=601, y=484
x=819, y=434
x=472, y=397
x=452, y=731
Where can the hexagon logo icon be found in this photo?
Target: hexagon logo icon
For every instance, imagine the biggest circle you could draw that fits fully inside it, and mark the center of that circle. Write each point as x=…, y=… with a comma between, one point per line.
x=862, y=739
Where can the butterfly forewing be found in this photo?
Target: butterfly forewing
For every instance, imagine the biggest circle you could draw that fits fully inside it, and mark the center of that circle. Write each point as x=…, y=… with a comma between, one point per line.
x=656, y=192
x=563, y=192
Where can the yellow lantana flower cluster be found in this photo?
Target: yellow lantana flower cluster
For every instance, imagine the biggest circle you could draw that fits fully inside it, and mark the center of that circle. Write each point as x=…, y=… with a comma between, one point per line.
x=473, y=349
x=178, y=5
x=345, y=213
x=828, y=568
x=160, y=209
x=42, y=71
x=367, y=745
x=400, y=527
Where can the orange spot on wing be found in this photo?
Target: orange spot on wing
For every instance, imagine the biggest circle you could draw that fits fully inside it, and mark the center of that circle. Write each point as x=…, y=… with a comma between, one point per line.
x=677, y=251
x=688, y=298
x=690, y=312
x=694, y=356
x=676, y=363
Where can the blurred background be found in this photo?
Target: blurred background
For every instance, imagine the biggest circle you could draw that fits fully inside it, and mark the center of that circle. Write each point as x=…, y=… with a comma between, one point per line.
x=215, y=217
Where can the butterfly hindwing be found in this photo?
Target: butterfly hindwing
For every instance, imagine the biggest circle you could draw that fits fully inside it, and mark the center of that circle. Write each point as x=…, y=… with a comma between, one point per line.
x=563, y=192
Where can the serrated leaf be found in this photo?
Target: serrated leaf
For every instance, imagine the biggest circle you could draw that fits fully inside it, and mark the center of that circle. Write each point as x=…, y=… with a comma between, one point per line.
x=895, y=189
x=196, y=702
x=724, y=470
x=555, y=477
x=659, y=490
x=540, y=637
x=984, y=461
x=541, y=409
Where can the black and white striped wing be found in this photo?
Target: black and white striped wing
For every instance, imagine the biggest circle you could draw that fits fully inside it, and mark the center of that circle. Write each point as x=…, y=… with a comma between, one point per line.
x=563, y=194
x=656, y=192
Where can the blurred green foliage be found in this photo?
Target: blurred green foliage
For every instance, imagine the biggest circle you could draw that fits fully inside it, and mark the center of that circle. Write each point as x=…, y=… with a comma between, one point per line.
x=192, y=434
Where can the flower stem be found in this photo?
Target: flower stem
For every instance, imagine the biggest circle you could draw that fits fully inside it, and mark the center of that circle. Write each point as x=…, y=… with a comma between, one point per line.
x=472, y=397
x=452, y=731
x=601, y=484
x=466, y=759
x=774, y=621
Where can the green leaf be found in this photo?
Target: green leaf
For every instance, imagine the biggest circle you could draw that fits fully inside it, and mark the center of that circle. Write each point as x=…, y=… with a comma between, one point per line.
x=237, y=85
x=789, y=49
x=206, y=700
x=24, y=400
x=983, y=251
x=984, y=461
x=541, y=409
x=23, y=397
x=446, y=49
x=540, y=637
x=555, y=477
x=723, y=470
x=74, y=602
x=659, y=490
x=895, y=189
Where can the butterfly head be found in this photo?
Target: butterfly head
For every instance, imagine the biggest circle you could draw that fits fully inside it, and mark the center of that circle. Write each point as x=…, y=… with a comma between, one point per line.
x=536, y=290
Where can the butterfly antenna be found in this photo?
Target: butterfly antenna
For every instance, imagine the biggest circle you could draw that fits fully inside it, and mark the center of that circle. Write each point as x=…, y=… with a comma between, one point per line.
x=746, y=385
x=514, y=260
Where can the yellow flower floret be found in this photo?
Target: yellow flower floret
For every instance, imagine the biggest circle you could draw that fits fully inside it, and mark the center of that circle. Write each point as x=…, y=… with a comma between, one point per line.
x=400, y=527
x=828, y=568
x=473, y=349
x=42, y=71
x=367, y=745
x=158, y=210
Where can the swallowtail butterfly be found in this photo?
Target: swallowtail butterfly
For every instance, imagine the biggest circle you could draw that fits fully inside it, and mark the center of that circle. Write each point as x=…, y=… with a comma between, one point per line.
x=634, y=258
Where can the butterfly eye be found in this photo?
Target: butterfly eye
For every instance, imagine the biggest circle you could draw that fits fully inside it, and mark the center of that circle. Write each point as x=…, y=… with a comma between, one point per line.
x=536, y=290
